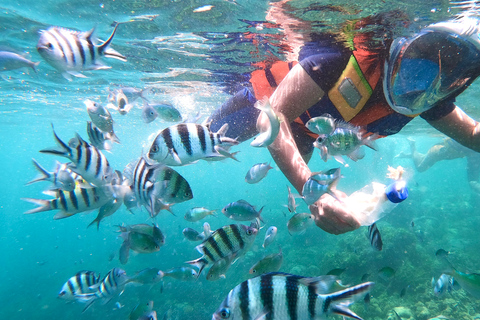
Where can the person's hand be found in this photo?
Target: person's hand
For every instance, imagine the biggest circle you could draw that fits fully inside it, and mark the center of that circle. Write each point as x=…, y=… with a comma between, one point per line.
x=332, y=216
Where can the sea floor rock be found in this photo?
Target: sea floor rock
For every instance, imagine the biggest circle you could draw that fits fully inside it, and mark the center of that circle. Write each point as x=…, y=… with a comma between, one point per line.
x=401, y=312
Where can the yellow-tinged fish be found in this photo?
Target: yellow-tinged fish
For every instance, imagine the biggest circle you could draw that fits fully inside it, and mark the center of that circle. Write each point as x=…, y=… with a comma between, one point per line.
x=270, y=263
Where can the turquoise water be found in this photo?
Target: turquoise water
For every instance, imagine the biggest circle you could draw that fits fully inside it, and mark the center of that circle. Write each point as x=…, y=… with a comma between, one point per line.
x=196, y=60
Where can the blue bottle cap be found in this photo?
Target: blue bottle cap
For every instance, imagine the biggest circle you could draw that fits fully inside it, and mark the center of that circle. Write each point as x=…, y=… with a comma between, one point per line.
x=397, y=191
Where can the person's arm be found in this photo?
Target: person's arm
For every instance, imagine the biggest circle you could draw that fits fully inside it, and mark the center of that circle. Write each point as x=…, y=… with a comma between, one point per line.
x=460, y=127
x=295, y=94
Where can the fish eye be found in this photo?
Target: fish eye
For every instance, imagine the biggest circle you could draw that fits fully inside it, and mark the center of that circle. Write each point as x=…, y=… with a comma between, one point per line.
x=249, y=232
x=254, y=271
x=49, y=45
x=155, y=148
x=225, y=313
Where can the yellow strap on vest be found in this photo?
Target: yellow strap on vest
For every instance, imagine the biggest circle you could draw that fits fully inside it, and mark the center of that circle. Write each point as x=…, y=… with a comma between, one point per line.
x=351, y=91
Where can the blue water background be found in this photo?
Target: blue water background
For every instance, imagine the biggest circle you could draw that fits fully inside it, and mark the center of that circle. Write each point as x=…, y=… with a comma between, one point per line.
x=196, y=63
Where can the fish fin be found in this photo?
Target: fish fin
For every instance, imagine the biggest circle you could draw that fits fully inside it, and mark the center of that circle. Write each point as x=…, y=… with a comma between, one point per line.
x=175, y=156
x=344, y=311
x=324, y=153
x=43, y=205
x=62, y=215
x=113, y=137
x=104, y=50
x=45, y=175
x=356, y=154
x=75, y=74
x=259, y=212
x=97, y=221
x=97, y=66
x=124, y=252
x=222, y=131
x=263, y=105
x=200, y=263
x=339, y=301
x=114, y=54
x=64, y=151
x=370, y=141
x=340, y=160
x=263, y=315
x=225, y=153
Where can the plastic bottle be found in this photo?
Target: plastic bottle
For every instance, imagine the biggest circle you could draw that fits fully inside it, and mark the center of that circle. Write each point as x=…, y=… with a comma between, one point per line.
x=376, y=200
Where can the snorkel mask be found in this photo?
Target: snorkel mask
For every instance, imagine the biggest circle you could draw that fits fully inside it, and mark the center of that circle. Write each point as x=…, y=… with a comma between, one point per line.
x=432, y=66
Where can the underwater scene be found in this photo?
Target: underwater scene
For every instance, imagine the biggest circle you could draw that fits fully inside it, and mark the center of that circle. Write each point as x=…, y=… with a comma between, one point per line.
x=131, y=191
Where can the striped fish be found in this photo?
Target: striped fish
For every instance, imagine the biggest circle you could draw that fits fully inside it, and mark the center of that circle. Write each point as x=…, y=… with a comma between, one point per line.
x=344, y=140
x=234, y=239
x=71, y=51
x=375, y=237
x=97, y=137
x=101, y=118
x=282, y=296
x=111, y=285
x=326, y=176
x=156, y=186
x=71, y=202
x=87, y=161
x=312, y=190
x=61, y=177
x=80, y=283
x=185, y=143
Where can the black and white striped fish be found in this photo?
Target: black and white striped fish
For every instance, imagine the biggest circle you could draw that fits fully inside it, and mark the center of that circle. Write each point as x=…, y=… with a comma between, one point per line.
x=87, y=160
x=234, y=239
x=111, y=285
x=80, y=283
x=101, y=118
x=97, y=137
x=71, y=52
x=156, y=186
x=185, y=143
x=71, y=202
x=282, y=296
x=61, y=177
x=375, y=237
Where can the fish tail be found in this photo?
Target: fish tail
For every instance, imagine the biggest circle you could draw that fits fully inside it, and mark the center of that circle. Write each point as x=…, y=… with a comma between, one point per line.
x=332, y=186
x=45, y=175
x=95, y=221
x=259, y=216
x=104, y=50
x=370, y=141
x=200, y=263
x=227, y=154
x=263, y=105
x=43, y=205
x=35, y=65
x=339, y=301
x=64, y=151
x=112, y=136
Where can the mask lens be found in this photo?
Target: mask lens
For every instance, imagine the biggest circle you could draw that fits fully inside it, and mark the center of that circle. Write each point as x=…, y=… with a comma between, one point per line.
x=429, y=68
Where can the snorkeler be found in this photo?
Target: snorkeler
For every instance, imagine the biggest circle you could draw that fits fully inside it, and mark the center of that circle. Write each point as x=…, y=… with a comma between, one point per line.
x=379, y=88
x=448, y=149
